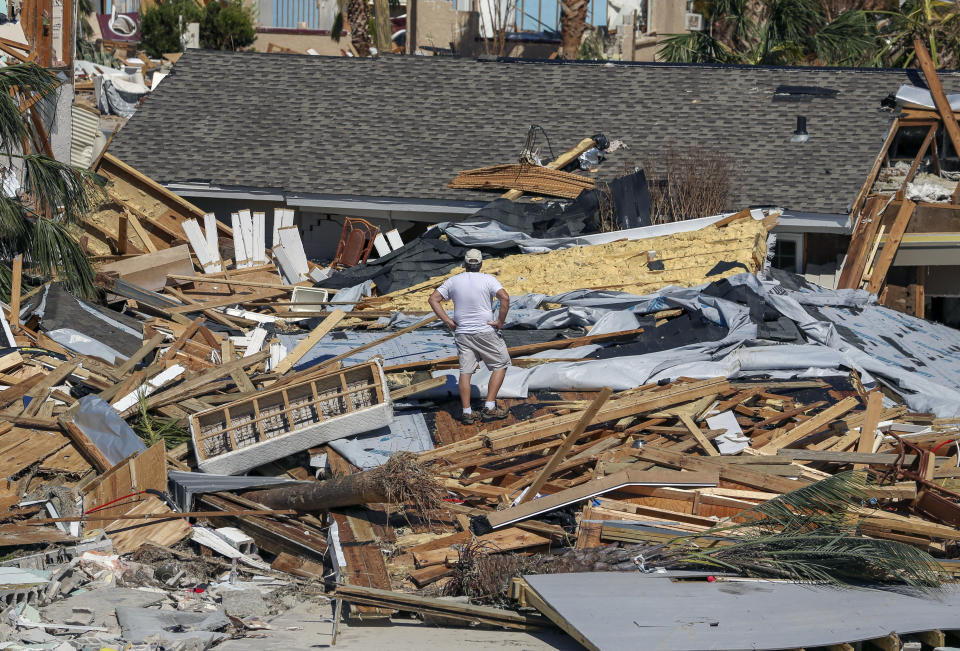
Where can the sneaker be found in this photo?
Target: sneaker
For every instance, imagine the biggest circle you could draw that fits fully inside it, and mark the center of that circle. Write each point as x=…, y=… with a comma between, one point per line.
x=497, y=413
x=469, y=419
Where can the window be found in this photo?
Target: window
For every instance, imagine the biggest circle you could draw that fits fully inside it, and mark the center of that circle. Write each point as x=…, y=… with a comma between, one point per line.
x=788, y=252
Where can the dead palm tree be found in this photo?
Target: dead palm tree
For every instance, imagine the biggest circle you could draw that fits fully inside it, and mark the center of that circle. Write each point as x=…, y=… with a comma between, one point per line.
x=573, y=22
x=36, y=221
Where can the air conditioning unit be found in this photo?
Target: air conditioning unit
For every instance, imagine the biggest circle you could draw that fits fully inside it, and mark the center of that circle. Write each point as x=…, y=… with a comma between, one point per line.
x=694, y=22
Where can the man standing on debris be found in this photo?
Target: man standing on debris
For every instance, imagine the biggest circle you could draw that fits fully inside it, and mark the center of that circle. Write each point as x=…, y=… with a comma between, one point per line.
x=477, y=337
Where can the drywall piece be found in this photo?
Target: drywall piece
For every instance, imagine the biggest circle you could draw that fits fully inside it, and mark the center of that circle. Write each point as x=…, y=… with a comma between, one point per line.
x=252, y=316
x=210, y=226
x=290, y=239
x=731, y=441
x=209, y=261
x=246, y=230
x=308, y=299
x=636, y=610
x=381, y=245
x=259, y=253
x=393, y=237
x=288, y=267
x=240, y=256
x=148, y=387
x=149, y=270
x=233, y=438
x=255, y=343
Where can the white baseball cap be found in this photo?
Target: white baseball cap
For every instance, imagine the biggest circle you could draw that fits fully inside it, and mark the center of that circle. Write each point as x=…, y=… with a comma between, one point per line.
x=473, y=256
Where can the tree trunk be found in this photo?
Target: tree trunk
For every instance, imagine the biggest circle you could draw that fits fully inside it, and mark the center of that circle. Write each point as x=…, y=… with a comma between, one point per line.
x=349, y=490
x=573, y=22
x=359, y=26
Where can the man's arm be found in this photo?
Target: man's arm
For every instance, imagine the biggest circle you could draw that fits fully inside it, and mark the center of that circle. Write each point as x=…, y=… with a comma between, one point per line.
x=436, y=298
x=504, y=308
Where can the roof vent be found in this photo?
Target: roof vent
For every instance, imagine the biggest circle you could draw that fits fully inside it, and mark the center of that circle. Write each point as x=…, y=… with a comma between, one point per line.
x=800, y=134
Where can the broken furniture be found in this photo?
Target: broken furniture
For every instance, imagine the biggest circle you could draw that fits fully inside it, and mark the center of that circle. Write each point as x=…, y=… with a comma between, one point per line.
x=240, y=435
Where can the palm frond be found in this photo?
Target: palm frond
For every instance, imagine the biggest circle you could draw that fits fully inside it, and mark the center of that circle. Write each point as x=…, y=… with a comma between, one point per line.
x=808, y=534
x=695, y=47
x=52, y=250
x=849, y=39
x=13, y=223
x=58, y=188
x=18, y=82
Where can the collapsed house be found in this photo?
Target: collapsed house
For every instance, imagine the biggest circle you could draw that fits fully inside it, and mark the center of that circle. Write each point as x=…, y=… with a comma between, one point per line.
x=233, y=438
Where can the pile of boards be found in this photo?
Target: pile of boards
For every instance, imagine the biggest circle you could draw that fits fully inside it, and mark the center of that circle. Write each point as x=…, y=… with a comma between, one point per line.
x=212, y=426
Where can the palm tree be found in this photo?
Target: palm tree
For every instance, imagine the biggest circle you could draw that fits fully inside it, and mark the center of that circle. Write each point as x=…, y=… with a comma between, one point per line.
x=776, y=32
x=573, y=22
x=37, y=220
x=936, y=22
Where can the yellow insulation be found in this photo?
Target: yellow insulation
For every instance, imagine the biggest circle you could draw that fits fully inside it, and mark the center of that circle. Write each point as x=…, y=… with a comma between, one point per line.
x=620, y=265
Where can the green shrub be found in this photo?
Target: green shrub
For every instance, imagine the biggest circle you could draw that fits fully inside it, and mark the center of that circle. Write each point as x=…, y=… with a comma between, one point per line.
x=161, y=28
x=226, y=26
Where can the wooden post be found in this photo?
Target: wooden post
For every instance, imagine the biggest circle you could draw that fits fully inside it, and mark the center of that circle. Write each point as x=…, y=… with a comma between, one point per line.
x=381, y=13
x=412, y=27
x=122, y=234
x=15, y=284
x=868, y=428
x=885, y=259
x=939, y=96
x=568, y=442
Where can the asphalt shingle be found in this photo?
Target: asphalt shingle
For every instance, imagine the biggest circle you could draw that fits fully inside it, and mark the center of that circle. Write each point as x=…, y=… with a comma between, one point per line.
x=402, y=127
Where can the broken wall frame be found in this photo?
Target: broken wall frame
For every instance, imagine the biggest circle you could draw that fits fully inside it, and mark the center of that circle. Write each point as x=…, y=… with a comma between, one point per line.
x=240, y=435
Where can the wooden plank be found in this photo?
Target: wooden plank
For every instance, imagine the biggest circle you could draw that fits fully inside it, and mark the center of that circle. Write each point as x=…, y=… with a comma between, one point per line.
x=940, y=100
x=586, y=490
x=308, y=342
x=698, y=435
x=141, y=353
x=885, y=259
x=142, y=233
x=568, y=442
x=15, y=287
x=85, y=446
x=558, y=163
x=875, y=168
x=419, y=387
x=810, y=426
x=127, y=537
x=20, y=448
x=862, y=459
x=868, y=430
x=752, y=477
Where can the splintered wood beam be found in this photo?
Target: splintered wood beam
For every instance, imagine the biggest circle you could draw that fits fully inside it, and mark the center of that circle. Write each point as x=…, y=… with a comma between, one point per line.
x=558, y=163
x=885, y=259
x=936, y=91
x=585, y=419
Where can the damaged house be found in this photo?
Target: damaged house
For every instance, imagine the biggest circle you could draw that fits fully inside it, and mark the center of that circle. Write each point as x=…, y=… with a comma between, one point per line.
x=380, y=139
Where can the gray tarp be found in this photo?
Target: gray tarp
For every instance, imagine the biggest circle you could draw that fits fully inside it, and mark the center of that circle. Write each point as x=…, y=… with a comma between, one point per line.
x=916, y=358
x=104, y=427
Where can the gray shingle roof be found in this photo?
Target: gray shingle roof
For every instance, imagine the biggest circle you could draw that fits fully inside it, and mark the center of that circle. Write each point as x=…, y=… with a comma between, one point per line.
x=401, y=127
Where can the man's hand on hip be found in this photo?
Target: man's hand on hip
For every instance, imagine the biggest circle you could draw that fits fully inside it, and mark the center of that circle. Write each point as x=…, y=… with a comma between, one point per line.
x=497, y=325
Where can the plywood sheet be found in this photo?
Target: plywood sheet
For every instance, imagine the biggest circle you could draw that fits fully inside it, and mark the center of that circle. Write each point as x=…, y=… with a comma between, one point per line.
x=67, y=460
x=128, y=535
x=147, y=470
x=20, y=448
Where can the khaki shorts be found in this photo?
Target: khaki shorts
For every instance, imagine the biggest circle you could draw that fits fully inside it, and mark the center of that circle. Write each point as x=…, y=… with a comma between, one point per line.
x=486, y=346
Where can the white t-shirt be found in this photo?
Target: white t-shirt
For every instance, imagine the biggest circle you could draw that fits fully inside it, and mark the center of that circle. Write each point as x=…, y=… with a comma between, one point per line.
x=472, y=294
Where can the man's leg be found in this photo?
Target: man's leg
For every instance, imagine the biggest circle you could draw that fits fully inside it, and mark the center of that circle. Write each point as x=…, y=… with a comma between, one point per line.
x=465, y=389
x=493, y=386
